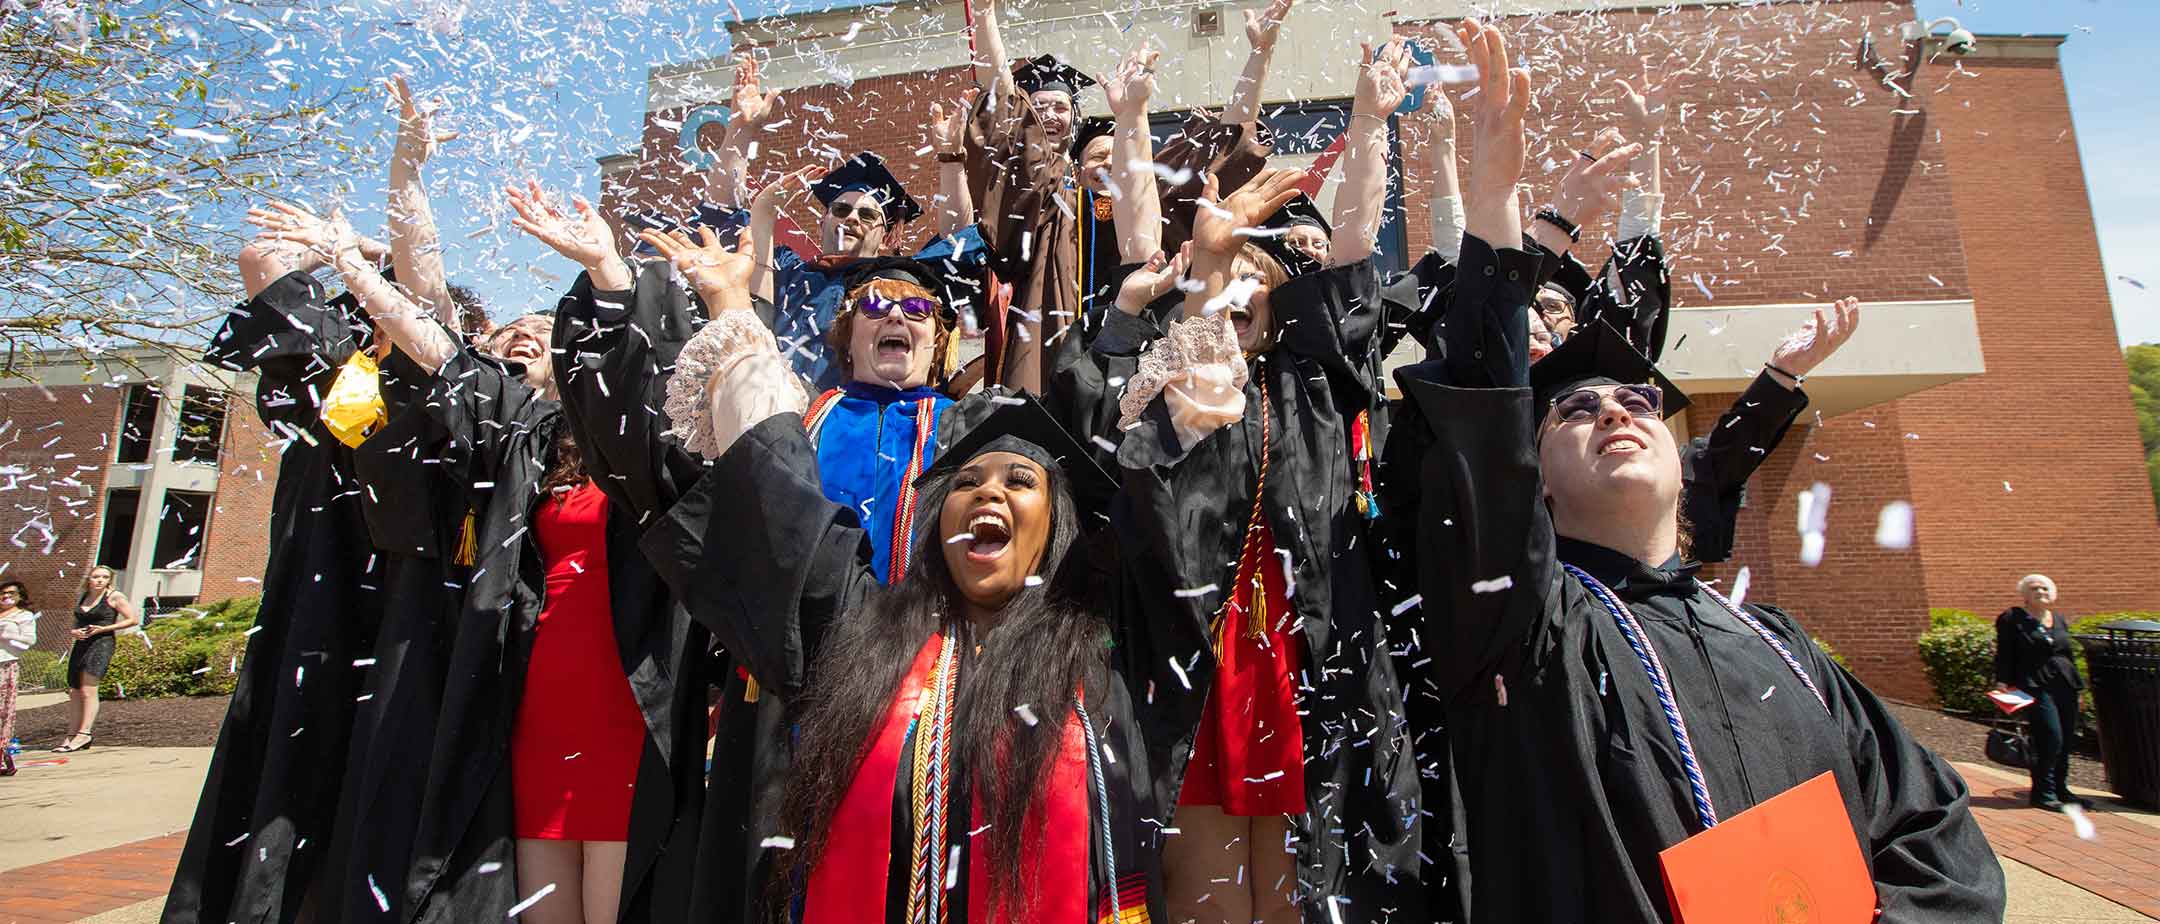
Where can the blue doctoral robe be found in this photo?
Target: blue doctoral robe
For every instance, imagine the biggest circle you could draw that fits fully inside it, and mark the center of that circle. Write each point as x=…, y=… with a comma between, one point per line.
x=863, y=448
x=806, y=296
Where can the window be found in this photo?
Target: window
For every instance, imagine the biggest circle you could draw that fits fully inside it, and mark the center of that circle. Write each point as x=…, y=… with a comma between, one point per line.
x=117, y=543
x=202, y=425
x=138, y=420
x=180, y=531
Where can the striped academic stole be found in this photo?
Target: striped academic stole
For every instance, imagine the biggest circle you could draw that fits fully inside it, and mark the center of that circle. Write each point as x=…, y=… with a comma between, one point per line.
x=904, y=513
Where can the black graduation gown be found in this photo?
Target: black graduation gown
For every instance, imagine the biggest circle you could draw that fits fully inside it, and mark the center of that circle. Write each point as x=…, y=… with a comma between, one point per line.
x=1358, y=845
x=1633, y=292
x=769, y=565
x=1568, y=768
x=268, y=802
x=614, y=351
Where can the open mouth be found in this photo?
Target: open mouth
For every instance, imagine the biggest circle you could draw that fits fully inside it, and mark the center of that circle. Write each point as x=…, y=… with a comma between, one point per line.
x=990, y=535
x=894, y=345
x=1241, y=321
x=1621, y=442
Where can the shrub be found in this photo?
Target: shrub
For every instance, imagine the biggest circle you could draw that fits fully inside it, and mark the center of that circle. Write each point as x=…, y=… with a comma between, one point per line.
x=43, y=670
x=1958, y=653
x=194, y=653
x=1829, y=652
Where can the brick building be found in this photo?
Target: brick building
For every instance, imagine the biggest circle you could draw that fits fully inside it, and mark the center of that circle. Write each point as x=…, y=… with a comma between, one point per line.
x=1985, y=386
x=146, y=462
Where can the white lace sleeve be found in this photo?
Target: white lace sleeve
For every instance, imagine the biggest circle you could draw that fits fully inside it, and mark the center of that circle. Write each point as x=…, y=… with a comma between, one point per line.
x=1641, y=213
x=1199, y=372
x=1447, y=226
x=728, y=378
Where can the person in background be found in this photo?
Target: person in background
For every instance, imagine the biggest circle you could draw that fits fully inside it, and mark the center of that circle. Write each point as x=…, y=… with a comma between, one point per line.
x=18, y=631
x=100, y=613
x=2032, y=655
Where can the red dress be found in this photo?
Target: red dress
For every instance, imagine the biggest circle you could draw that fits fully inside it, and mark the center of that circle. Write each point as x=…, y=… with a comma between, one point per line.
x=579, y=735
x=1249, y=756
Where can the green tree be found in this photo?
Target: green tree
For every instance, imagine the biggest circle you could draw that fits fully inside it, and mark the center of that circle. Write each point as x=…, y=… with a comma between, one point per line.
x=133, y=134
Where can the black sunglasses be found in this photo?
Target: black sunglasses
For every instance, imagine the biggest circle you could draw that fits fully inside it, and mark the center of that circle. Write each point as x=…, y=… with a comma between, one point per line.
x=1583, y=403
x=866, y=212
x=914, y=306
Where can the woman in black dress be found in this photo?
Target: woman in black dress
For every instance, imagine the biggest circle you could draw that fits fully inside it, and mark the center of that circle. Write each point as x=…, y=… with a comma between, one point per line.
x=100, y=613
x=2032, y=655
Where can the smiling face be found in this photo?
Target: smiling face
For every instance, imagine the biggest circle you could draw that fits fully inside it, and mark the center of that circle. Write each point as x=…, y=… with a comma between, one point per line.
x=1055, y=107
x=525, y=341
x=999, y=511
x=853, y=225
x=1254, y=321
x=895, y=351
x=1095, y=165
x=1611, y=460
x=2038, y=591
x=1308, y=240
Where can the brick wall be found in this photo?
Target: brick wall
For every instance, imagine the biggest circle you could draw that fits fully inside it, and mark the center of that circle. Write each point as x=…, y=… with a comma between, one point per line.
x=61, y=437
x=237, y=544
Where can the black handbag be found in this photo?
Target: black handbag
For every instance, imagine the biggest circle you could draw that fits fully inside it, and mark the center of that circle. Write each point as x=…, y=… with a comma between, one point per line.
x=2007, y=746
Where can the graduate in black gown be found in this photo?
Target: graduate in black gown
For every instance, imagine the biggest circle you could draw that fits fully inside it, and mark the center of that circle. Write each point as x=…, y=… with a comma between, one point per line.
x=1547, y=509
x=265, y=816
x=996, y=634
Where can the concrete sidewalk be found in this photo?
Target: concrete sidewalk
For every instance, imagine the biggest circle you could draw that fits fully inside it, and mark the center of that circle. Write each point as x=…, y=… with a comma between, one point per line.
x=62, y=805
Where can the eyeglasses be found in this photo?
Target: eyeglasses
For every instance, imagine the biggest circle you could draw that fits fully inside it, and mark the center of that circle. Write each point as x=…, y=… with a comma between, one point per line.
x=1583, y=403
x=866, y=212
x=915, y=307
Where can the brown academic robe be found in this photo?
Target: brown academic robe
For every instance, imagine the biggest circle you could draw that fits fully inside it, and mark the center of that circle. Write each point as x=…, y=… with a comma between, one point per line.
x=1024, y=199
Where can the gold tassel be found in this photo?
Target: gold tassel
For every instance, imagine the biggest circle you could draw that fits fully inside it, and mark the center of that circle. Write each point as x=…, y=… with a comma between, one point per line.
x=1256, y=617
x=749, y=688
x=468, y=547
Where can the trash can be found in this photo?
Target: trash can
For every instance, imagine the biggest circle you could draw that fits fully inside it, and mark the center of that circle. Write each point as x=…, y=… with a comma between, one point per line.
x=2123, y=664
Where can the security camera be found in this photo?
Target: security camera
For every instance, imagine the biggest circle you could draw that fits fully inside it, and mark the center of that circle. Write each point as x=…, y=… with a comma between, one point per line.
x=1959, y=42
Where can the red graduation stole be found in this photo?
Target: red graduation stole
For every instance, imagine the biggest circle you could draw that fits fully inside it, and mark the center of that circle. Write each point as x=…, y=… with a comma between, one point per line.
x=848, y=883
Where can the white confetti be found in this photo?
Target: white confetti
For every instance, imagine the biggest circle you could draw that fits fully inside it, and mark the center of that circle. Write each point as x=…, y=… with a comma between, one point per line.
x=520, y=907
x=1893, y=526
x=1495, y=585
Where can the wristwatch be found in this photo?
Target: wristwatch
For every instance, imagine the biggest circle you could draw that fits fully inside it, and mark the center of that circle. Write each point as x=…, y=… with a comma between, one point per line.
x=1551, y=216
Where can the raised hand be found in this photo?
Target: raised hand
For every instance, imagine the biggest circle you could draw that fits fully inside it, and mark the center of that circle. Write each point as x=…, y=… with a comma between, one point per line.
x=1822, y=335
x=323, y=237
x=583, y=237
x=417, y=138
x=1644, y=102
x=1215, y=227
x=1591, y=187
x=785, y=190
x=1128, y=89
x=1496, y=119
x=948, y=129
x=1381, y=82
x=755, y=108
x=720, y=276
x=1262, y=27
x=1153, y=280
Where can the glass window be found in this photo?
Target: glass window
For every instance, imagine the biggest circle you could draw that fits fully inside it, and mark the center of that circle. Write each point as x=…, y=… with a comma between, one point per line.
x=181, y=525
x=117, y=543
x=202, y=425
x=138, y=420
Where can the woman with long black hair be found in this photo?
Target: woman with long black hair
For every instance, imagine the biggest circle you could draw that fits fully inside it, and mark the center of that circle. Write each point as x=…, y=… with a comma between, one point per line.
x=988, y=693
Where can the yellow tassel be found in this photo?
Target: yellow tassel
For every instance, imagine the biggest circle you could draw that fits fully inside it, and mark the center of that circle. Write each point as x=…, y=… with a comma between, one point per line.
x=749, y=689
x=1256, y=619
x=468, y=547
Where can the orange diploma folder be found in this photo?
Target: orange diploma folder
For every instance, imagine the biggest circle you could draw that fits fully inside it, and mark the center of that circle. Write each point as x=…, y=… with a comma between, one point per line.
x=1790, y=860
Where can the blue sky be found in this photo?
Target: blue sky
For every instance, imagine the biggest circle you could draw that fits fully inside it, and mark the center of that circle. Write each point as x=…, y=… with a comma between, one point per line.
x=543, y=87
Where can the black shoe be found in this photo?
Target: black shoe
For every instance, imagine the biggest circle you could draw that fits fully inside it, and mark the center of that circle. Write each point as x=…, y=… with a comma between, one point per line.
x=2079, y=801
x=2049, y=805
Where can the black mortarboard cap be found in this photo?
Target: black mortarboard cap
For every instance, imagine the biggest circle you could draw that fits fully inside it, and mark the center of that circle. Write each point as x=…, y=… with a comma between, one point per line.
x=1002, y=421
x=1300, y=210
x=1596, y=354
x=906, y=270
x=867, y=171
x=1049, y=73
x=1090, y=128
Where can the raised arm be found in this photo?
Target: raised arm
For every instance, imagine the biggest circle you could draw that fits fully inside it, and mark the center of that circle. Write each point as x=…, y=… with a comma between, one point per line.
x=1443, y=184
x=1220, y=230
x=1717, y=468
x=753, y=111
x=415, y=248
x=1359, y=201
x=584, y=238
x=413, y=329
x=1261, y=30
x=1137, y=208
x=764, y=218
x=993, y=74
x=955, y=204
